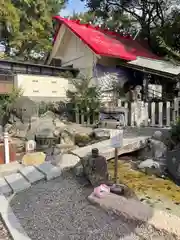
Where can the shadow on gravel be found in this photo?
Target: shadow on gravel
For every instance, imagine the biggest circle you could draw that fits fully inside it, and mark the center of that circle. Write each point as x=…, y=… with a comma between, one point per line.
x=59, y=210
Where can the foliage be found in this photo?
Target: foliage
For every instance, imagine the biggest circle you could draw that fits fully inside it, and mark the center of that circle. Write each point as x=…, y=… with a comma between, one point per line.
x=175, y=134
x=82, y=140
x=26, y=27
x=6, y=104
x=156, y=21
x=115, y=22
x=85, y=96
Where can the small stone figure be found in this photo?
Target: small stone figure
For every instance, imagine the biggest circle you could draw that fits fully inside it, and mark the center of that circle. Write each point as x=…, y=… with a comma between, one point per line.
x=96, y=171
x=95, y=168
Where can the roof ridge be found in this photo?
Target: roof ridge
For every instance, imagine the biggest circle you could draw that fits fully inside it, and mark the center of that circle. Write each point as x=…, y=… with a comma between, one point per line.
x=88, y=25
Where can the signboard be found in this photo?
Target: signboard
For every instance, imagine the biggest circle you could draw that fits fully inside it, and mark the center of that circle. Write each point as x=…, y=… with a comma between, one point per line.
x=117, y=138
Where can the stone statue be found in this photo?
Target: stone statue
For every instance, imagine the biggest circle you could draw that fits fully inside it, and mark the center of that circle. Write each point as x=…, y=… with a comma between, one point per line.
x=137, y=91
x=96, y=171
x=95, y=168
x=159, y=149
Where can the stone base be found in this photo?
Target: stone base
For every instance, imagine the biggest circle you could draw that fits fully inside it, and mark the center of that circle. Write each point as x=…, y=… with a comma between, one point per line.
x=135, y=210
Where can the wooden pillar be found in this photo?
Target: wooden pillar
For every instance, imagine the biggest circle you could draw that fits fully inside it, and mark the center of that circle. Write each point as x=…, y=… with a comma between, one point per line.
x=145, y=87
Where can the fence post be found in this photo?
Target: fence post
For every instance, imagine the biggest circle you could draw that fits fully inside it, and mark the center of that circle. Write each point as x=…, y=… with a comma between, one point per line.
x=6, y=147
x=146, y=115
x=167, y=114
x=175, y=112
x=119, y=103
x=160, y=114
x=77, y=114
x=82, y=117
x=126, y=114
x=88, y=116
x=153, y=114
x=132, y=121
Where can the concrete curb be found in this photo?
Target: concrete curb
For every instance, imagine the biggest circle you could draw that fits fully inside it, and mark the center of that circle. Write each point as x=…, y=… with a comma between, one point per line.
x=11, y=222
x=135, y=210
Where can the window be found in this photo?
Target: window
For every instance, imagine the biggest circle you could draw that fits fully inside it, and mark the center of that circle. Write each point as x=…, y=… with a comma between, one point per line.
x=35, y=91
x=54, y=91
x=53, y=81
x=35, y=81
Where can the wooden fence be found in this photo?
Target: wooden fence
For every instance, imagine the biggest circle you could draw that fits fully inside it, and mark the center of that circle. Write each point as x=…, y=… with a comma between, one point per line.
x=155, y=114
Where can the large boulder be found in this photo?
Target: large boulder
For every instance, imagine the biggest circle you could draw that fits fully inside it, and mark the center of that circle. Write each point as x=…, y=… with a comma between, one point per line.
x=24, y=108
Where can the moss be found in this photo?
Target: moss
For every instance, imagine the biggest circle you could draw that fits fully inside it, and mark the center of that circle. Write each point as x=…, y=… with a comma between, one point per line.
x=82, y=139
x=143, y=184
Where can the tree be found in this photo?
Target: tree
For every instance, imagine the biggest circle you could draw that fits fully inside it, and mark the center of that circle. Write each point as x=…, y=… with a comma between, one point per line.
x=149, y=14
x=84, y=96
x=6, y=104
x=116, y=22
x=26, y=26
x=158, y=21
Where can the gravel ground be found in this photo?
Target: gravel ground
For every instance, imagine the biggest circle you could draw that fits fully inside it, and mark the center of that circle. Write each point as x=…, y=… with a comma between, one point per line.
x=59, y=210
x=4, y=235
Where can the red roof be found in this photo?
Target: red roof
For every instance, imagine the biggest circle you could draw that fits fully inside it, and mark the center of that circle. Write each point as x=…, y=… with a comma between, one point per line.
x=105, y=42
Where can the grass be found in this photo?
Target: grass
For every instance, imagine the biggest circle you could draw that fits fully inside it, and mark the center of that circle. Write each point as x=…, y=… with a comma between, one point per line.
x=143, y=184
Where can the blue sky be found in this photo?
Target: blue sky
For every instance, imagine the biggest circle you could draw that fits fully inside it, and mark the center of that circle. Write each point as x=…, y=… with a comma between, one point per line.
x=73, y=5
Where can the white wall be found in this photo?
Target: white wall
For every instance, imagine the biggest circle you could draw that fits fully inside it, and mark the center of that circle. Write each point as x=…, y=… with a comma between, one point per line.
x=73, y=51
x=35, y=86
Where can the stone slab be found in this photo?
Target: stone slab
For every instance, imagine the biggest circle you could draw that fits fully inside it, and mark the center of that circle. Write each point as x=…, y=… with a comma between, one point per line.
x=13, y=225
x=4, y=187
x=9, y=168
x=31, y=174
x=17, y=182
x=133, y=209
x=49, y=170
x=67, y=161
x=105, y=149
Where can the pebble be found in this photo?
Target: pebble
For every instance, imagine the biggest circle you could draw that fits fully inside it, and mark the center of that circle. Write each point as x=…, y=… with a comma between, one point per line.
x=59, y=210
x=4, y=235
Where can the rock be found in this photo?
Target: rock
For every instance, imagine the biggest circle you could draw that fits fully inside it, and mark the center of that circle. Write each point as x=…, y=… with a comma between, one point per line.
x=151, y=167
x=148, y=163
x=35, y=158
x=155, y=148
x=20, y=145
x=173, y=163
x=78, y=170
x=24, y=108
x=68, y=137
x=82, y=139
x=66, y=161
x=101, y=134
x=95, y=168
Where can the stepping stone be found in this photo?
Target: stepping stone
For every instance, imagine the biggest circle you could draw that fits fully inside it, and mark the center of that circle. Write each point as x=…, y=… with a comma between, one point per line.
x=49, y=170
x=4, y=187
x=17, y=182
x=31, y=174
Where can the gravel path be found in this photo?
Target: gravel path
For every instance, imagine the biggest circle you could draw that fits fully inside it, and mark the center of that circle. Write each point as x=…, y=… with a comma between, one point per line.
x=4, y=235
x=59, y=210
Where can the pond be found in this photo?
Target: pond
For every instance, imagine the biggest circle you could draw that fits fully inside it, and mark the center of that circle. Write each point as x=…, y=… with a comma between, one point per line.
x=162, y=193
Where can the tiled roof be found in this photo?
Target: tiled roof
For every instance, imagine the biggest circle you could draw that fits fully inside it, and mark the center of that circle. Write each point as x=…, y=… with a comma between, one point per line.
x=107, y=43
